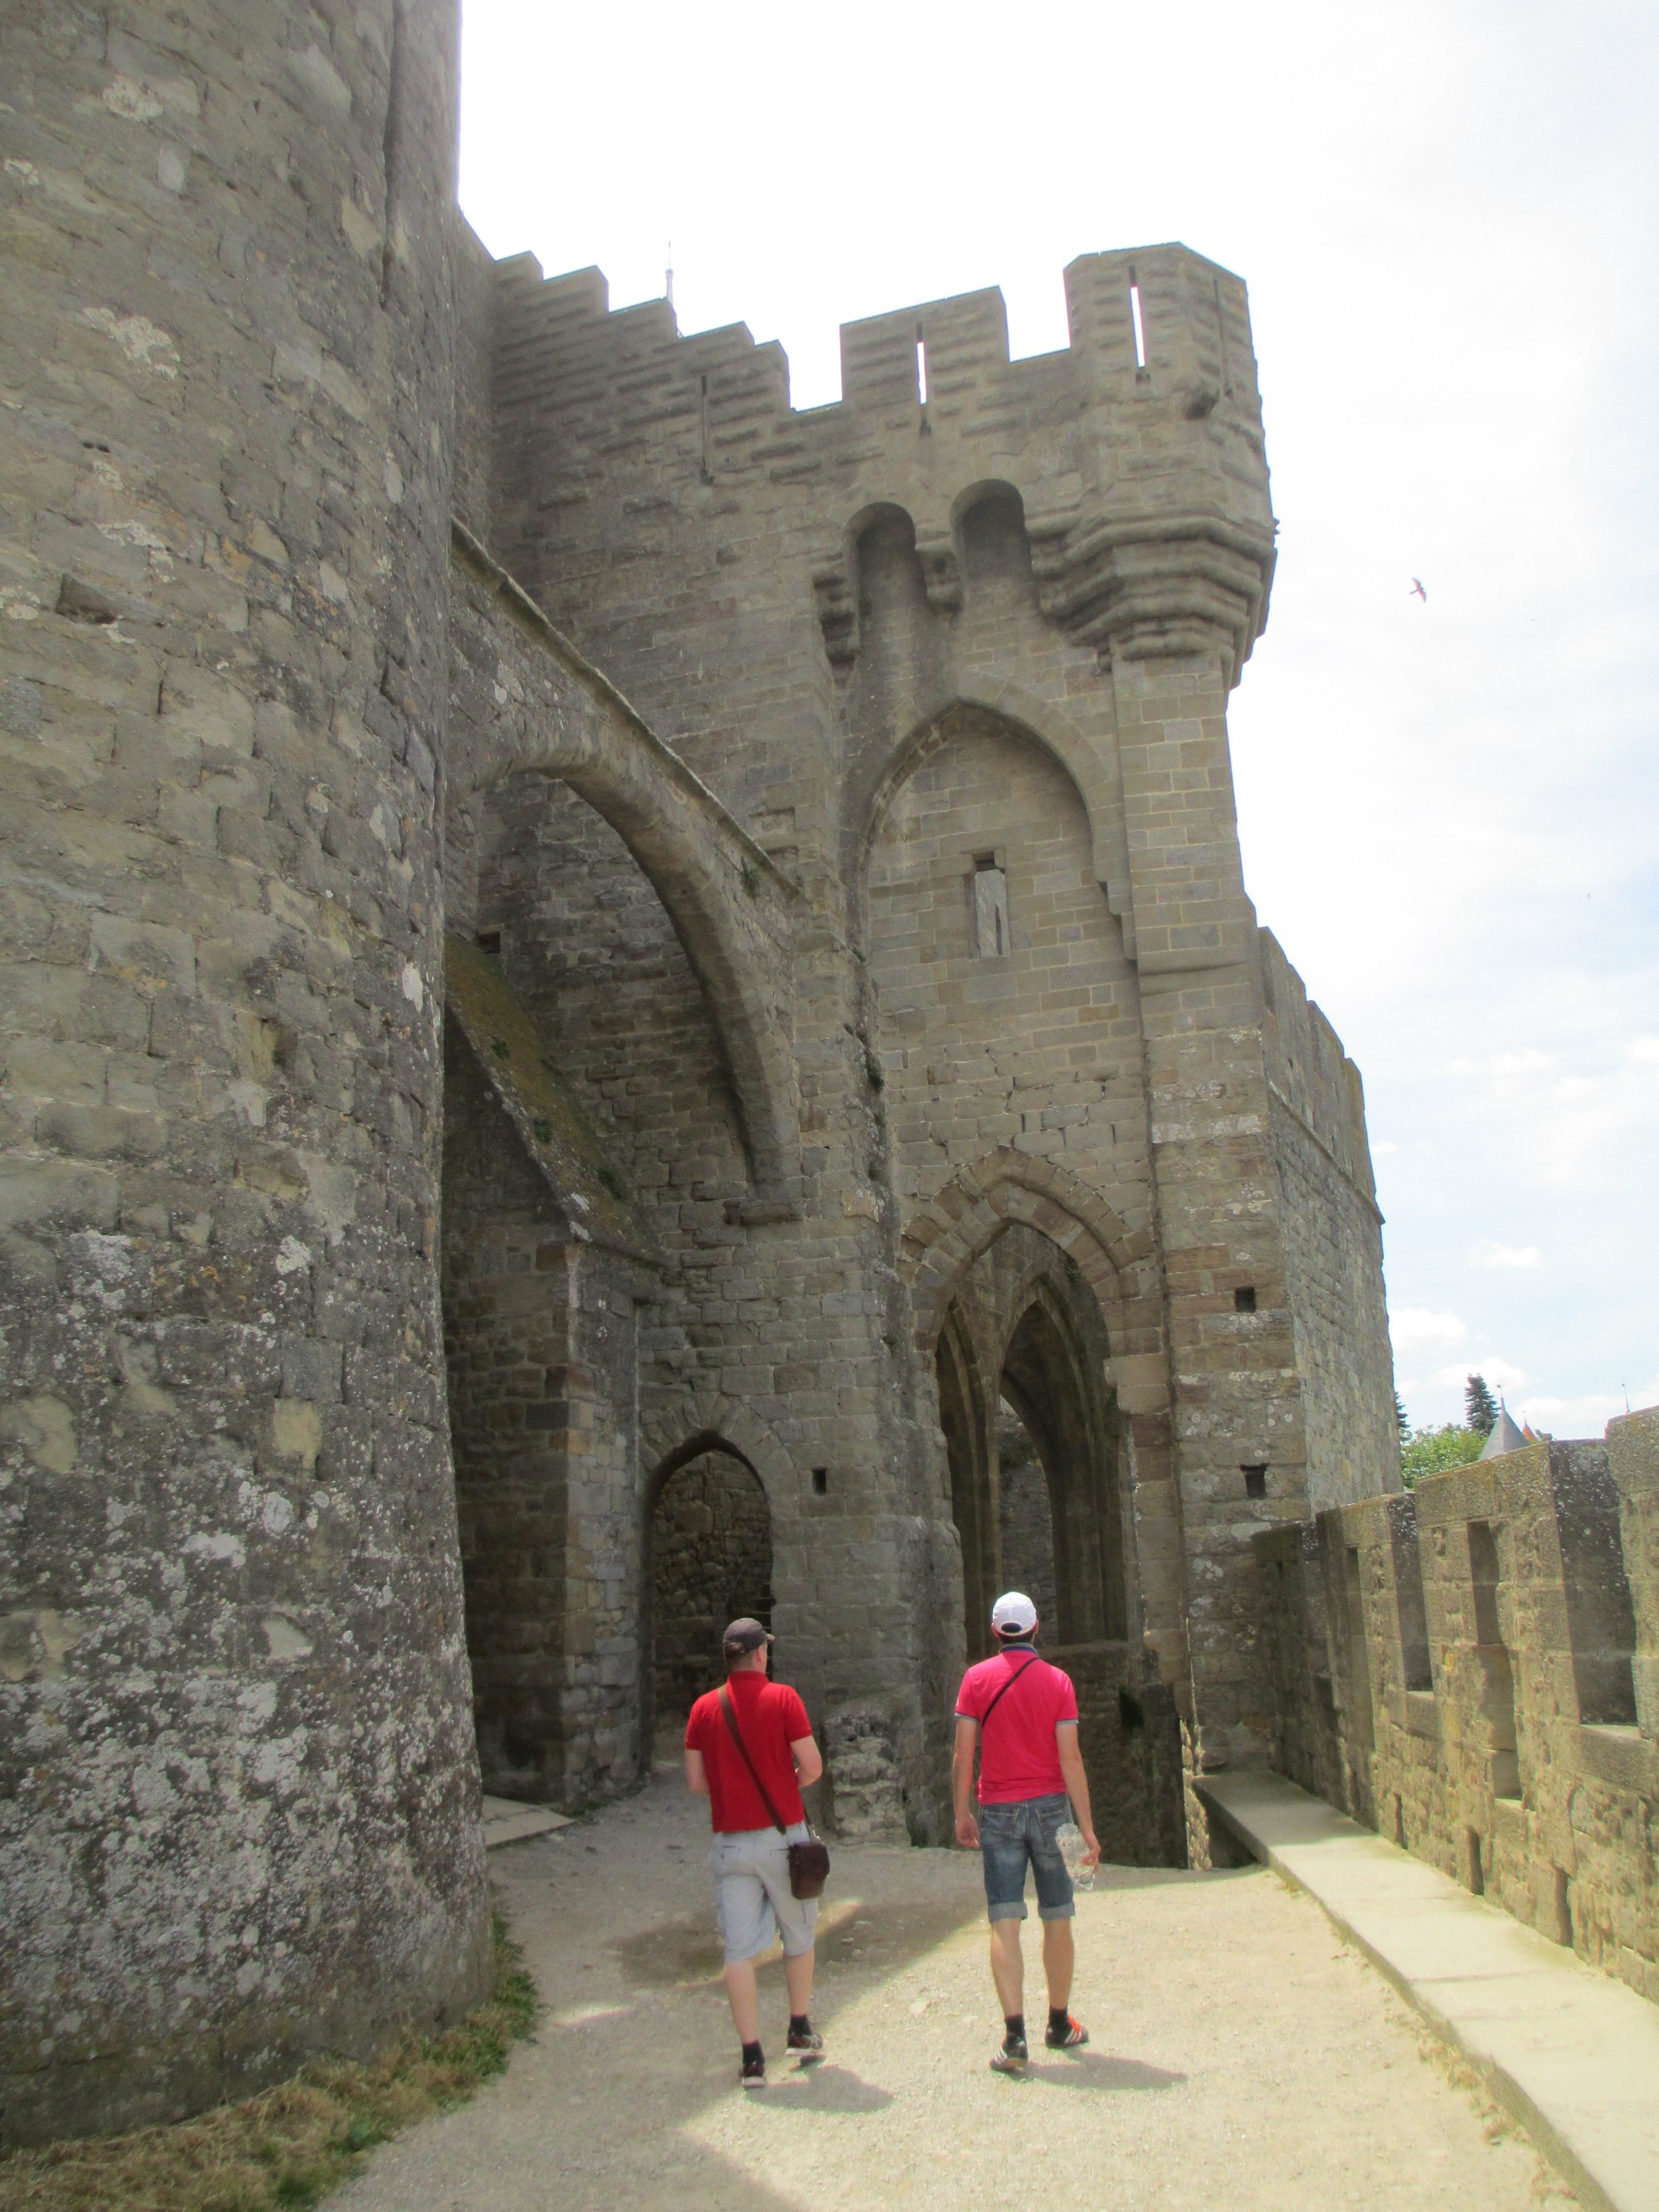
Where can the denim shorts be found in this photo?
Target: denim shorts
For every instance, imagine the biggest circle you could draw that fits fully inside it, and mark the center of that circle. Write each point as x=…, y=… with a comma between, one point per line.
x=1011, y=1836
x=752, y=1899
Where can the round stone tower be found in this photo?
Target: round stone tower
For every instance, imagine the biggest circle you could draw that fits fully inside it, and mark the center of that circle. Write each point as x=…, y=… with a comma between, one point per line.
x=238, y=1787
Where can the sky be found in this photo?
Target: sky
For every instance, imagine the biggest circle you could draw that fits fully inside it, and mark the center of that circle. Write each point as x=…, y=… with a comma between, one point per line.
x=1447, y=216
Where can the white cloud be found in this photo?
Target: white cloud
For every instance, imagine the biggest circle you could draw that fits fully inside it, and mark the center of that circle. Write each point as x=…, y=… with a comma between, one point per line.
x=1644, y=1051
x=1413, y=1328
x=1382, y=1147
x=1569, y=1417
x=1527, y=1061
x=1500, y=1374
x=1492, y=1255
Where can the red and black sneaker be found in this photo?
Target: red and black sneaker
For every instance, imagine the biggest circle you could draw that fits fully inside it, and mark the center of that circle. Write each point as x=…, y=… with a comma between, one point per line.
x=1073, y=2037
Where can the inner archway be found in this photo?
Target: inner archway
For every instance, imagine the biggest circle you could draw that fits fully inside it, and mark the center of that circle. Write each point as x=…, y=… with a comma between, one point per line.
x=1045, y=1380
x=1034, y=1441
x=1040, y=1471
x=711, y=1561
x=1026, y=1515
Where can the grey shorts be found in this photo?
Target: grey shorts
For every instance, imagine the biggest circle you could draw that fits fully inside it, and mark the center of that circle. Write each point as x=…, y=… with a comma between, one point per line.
x=752, y=1899
x=1013, y=1837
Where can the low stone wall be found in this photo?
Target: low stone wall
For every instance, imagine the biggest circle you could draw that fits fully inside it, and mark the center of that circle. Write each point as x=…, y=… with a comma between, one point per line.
x=1471, y=1668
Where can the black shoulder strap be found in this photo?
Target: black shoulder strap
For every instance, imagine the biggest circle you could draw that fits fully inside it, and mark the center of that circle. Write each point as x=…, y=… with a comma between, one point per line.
x=736, y=1738
x=1036, y=1659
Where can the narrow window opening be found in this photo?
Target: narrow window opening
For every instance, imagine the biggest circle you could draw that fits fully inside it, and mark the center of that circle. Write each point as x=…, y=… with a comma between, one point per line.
x=921, y=366
x=1484, y=1575
x=489, y=940
x=820, y=1482
x=1244, y=1298
x=1477, y=1871
x=1255, y=1479
x=1411, y=1601
x=992, y=939
x=1563, y=1901
x=1137, y=316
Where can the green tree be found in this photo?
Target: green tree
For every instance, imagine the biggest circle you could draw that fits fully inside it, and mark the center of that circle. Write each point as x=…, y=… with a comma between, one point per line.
x=1400, y=1421
x=1431, y=1452
x=1479, y=1406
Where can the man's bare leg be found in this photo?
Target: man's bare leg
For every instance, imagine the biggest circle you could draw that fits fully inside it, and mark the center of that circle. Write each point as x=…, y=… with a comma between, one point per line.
x=1008, y=1966
x=1059, y=1961
x=745, y=1999
x=798, y=1975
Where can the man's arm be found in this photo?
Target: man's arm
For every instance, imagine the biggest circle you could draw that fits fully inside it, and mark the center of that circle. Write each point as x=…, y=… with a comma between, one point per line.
x=962, y=1782
x=696, y=1774
x=809, y=1760
x=1077, y=1788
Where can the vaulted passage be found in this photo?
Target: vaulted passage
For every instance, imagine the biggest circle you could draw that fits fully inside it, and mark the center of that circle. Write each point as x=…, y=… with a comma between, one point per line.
x=1034, y=1443
x=1038, y=1478
x=711, y=1562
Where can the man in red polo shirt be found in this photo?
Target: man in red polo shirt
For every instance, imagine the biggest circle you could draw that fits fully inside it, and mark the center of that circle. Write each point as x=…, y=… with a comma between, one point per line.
x=750, y=1859
x=1021, y=1713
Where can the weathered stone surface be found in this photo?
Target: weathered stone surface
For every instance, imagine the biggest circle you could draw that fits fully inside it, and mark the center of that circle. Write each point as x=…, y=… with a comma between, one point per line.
x=853, y=1015
x=239, y=1792
x=1464, y=1668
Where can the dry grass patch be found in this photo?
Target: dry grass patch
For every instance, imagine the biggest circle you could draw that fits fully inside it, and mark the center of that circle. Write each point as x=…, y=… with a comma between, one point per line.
x=291, y=2145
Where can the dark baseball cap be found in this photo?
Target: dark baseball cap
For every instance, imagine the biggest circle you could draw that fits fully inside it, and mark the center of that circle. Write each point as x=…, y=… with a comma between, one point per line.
x=744, y=1635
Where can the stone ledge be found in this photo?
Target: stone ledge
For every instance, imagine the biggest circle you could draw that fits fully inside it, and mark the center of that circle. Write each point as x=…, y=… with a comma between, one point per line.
x=1622, y=1757
x=508, y=1821
x=1572, y=2055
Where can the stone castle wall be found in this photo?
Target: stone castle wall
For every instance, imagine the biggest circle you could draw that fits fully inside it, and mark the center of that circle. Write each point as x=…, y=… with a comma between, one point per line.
x=900, y=637
x=562, y=918
x=1333, y=1246
x=1469, y=1667
x=238, y=1807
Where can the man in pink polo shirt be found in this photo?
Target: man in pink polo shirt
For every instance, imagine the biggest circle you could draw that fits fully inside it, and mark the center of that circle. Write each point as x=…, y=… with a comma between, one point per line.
x=1021, y=1714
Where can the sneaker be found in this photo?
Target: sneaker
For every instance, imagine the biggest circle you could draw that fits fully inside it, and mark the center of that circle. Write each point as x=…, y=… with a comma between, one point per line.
x=1075, y=2036
x=806, y=2044
x=1013, y=2057
x=753, y=2076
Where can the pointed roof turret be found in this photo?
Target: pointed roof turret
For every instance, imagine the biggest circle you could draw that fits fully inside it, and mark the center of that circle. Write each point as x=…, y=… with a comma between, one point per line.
x=1504, y=1437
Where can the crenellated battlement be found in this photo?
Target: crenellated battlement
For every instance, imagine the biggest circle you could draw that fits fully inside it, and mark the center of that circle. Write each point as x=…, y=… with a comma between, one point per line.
x=1137, y=450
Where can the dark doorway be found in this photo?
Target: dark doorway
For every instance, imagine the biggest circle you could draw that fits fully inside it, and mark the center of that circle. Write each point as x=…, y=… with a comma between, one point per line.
x=711, y=1561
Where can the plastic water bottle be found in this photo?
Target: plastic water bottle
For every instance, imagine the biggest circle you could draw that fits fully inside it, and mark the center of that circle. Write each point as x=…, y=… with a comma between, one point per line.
x=1074, y=1851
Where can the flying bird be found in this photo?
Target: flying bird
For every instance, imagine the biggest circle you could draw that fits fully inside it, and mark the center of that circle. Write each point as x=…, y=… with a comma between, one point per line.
x=1417, y=591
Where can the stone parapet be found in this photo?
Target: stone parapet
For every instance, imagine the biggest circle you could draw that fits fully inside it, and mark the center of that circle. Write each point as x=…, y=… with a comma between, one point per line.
x=1482, y=1637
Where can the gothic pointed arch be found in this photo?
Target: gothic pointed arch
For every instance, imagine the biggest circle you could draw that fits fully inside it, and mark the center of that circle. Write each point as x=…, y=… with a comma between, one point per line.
x=948, y=1232
x=1035, y=719
x=525, y=701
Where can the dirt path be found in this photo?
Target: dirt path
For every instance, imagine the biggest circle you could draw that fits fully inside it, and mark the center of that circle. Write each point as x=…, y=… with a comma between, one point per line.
x=1241, y=2056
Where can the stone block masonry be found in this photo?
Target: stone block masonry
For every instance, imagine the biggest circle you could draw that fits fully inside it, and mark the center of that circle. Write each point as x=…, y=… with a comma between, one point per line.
x=238, y=1808
x=1468, y=1668
x=596, y=970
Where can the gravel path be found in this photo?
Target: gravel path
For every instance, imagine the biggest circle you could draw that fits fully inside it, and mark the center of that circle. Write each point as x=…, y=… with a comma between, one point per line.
x=1241, y=2056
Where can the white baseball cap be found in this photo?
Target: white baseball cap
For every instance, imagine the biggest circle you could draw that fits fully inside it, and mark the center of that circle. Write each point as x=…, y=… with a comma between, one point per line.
x=1013, y=1615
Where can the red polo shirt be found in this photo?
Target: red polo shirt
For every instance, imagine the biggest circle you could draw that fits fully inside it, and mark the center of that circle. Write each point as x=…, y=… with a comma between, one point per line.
x=1018, y=1757
x=771, y=1717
